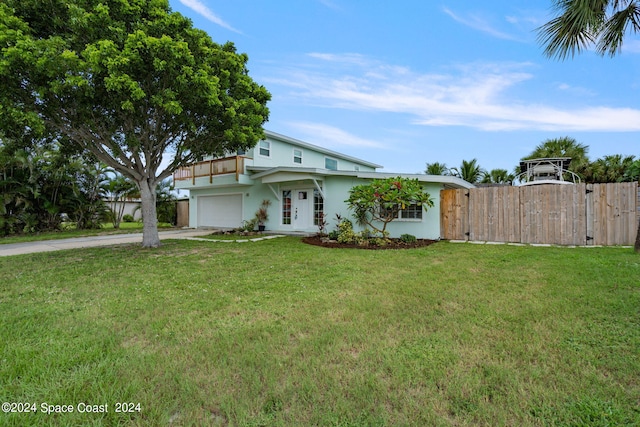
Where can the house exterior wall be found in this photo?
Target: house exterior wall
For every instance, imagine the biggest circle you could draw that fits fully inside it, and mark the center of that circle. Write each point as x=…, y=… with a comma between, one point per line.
x=268, y=177
x=337, y=190
x=282, y=154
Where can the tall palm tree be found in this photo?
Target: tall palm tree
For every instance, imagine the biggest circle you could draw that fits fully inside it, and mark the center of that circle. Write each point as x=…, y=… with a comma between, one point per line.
x=470, y=171
x=609, y=169
x=437, y=169
x=581, y=24
x=563, y=147
x=633, y=172
x=497, y=176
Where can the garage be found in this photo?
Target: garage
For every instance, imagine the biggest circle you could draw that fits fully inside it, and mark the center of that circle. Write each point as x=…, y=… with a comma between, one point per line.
x=220, y=211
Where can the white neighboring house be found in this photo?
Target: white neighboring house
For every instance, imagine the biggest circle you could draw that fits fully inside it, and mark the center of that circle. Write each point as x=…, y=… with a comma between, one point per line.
x=131, y=207
x=304, y=182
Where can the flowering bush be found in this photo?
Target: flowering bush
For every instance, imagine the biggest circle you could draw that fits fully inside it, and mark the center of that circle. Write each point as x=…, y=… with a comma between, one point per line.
x=378, y=203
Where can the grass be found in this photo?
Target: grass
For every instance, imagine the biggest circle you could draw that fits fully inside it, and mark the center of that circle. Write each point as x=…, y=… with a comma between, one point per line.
x=278, y=333
x=70, y=231
x=236, y=236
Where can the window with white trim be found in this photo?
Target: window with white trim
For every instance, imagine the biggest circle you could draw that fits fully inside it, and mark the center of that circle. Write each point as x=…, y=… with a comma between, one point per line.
x=286, y=207
x=297, y=156
x=318, y=207
x=264, y=148
x=411, y=212
x=331, y=164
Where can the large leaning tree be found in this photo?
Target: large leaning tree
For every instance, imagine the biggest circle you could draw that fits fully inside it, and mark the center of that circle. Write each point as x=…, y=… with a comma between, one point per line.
x=581, y=24
x=128, y=80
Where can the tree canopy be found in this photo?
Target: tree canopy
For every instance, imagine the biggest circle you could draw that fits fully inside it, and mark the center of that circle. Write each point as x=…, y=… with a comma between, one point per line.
x=580, y=24
x=129, y=81
x=563, y=147
x=469, y=170
x=437, y=168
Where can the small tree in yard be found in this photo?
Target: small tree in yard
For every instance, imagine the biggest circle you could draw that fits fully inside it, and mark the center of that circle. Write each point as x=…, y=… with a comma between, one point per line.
x=381, y=201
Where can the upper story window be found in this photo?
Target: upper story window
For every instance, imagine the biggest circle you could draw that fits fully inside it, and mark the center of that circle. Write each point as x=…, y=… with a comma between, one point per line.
x=265, y=148
x=331, y=164
x=297, y=156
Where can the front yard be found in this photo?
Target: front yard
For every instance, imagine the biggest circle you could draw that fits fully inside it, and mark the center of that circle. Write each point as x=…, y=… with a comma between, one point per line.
x=279, y=333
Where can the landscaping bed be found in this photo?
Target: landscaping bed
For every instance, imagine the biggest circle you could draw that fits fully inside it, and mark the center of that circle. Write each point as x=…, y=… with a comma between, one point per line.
x=390, y=244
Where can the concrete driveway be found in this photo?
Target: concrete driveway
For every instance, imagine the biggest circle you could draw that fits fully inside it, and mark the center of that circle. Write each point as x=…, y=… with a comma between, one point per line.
x=92, y=241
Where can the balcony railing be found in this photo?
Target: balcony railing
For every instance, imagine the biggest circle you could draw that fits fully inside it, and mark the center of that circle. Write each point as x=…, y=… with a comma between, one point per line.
x=210, y=168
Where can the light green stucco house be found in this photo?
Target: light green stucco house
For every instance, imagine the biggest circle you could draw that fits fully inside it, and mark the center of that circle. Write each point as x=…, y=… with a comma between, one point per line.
x=302, y=181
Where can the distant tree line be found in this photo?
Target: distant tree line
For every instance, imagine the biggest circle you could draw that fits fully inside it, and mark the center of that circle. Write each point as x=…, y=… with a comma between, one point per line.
x=607, y=169
x=44, y=188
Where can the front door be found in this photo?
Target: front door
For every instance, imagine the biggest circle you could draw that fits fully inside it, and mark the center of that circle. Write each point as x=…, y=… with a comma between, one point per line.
x=302, y=200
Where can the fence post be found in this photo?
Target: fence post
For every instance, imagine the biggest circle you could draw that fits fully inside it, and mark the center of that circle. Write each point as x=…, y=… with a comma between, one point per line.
x=589, y=219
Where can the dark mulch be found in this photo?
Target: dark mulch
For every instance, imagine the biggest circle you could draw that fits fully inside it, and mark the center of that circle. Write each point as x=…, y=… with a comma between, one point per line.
x=394, y=244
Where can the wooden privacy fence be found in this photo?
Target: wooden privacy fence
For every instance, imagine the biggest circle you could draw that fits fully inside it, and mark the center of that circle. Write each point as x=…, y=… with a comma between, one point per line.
x=580, y=214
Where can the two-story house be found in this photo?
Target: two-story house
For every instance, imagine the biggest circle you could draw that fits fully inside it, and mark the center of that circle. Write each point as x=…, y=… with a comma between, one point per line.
x=304, y=182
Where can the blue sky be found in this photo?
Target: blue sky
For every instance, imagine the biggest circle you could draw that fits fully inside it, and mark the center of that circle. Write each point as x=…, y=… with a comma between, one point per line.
x=404, y=83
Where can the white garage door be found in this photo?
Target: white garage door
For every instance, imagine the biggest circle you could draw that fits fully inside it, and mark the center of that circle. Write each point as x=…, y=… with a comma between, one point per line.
x=220, y=211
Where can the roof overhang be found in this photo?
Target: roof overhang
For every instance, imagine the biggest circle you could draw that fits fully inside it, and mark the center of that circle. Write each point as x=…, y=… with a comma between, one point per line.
x=446, y=180
x=319, y=149
x=287, y=174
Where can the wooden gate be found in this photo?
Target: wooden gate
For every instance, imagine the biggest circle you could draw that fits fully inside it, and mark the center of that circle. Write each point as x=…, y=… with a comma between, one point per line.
x=581, y=214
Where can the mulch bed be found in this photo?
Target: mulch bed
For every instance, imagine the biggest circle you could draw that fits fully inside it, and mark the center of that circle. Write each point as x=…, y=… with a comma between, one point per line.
x=394, y=244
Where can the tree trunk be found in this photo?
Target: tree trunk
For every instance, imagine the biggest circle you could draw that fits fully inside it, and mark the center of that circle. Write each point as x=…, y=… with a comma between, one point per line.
x=150, y=237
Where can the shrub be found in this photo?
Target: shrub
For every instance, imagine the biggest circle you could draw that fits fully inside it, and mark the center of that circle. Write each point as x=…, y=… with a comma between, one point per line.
x=346, y=233
x=127, y=218
x=378, y=241
x=249, y=225
x=408, y=238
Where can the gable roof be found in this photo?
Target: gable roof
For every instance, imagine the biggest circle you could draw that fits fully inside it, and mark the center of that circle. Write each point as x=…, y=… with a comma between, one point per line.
x=330, y=153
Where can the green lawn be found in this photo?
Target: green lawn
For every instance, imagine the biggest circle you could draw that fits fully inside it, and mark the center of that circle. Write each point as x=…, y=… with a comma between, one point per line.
x=69, y=231
x=279, y=333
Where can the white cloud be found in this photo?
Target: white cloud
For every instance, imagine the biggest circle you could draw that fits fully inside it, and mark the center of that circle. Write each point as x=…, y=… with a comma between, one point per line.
x=476, y=95
x=478, y=23
x=353, y=58
x=203, y=10
x=330, y=4
x=631, y=45
x=575, y=90
x=330, y=136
